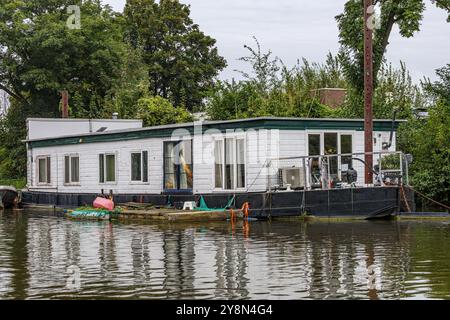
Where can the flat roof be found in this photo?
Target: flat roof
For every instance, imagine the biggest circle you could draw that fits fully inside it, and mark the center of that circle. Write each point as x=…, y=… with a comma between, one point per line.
x=81, y=120
x=282, y=123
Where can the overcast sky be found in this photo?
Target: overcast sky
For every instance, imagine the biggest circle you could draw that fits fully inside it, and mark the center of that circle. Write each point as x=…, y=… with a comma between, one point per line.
x=293, y=29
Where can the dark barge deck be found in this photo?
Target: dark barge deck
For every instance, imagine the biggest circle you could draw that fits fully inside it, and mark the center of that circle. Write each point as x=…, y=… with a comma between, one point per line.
x=349, y=202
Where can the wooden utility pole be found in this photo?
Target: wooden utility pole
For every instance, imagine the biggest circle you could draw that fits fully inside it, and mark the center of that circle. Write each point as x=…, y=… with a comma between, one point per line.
x=65, y=104
x=368, y=89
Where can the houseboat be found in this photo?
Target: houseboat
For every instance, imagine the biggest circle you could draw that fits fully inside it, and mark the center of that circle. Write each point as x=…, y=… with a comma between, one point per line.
x=280, y=166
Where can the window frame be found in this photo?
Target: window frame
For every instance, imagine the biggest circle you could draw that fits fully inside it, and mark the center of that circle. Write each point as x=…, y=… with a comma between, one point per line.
x=141, y=153
x=71, y=182
x=48, y=170
x=116, y=168
x=177, y=173
x=322, y=143
x=234, y=139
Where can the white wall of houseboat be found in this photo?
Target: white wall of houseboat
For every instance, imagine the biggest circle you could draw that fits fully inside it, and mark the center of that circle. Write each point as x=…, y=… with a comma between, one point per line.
x=260, y=146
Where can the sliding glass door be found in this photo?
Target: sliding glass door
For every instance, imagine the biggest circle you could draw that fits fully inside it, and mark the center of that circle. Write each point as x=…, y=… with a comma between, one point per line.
x=329, y=143
x=178, y=166
x=229, y=159
x=330, y=140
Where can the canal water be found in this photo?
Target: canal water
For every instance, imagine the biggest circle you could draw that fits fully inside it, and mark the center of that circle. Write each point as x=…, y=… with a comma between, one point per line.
x=44, y=256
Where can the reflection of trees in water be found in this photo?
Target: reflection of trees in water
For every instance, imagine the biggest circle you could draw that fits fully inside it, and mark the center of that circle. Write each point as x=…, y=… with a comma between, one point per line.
x=430, y=260
x=15, y=228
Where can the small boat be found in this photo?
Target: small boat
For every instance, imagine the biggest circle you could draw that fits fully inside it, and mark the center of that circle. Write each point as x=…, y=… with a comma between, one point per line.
x=87, y=214
x=8, y=197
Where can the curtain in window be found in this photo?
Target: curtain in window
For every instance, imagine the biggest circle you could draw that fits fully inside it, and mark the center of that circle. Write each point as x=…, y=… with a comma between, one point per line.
x=178, y=169
x=169, y=166
x=240, y=163
x=185, y=162
x=229, y=164
x=75, y=169
x=218, y=163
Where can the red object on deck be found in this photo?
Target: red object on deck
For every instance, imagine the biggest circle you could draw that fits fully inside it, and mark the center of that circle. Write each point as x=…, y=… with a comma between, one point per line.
x=102, y=203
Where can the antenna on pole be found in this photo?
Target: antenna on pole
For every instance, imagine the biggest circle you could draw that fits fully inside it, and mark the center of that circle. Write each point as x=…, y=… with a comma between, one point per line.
x=368, y=89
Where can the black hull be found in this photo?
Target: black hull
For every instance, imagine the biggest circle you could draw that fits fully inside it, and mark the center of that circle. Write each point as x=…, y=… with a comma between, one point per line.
x=336, y=202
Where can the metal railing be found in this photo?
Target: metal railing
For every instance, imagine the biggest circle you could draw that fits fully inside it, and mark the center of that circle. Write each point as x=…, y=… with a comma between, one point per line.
x=332, y=171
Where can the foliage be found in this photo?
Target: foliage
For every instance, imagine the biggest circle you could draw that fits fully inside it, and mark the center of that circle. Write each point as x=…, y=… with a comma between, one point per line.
x=40, y=55
x=272, y=89
x=182, y=61
x=159, y=111
x=428, y=140
x=130, y=86
x=406, y=15
x=12, y=150
x=16, y=183
x=390, y=162
x=395, y=91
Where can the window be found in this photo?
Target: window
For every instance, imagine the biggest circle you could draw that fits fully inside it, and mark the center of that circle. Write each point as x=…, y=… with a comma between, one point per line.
x=43, y=168
x=331, y=148
x=107, y=167
x=346, y=148
x=178, y=171
x=314, y=144
x=218, y=164
x=329, y=143
x=229, y=159
x=139, y=166
x=314, y=150
x=71, y=169
x=240, y=163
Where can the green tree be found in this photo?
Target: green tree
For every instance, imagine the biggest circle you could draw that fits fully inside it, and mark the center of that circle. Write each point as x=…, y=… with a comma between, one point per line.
x=272, y=89
x=12, y=150
x=182, y=61
x=156, y=111
x=130, y=85
x=395, y=90
x=428, y=140
x=40, y=56
x=406, y=15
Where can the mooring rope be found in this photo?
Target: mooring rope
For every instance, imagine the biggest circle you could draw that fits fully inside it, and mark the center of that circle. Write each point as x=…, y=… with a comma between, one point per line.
x=428, y=198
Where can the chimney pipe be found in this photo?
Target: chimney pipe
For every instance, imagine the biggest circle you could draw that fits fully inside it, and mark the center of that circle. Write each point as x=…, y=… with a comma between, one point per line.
x=65, y=104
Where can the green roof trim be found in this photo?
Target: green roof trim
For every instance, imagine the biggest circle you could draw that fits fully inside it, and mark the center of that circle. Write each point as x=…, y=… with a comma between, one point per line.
x=244, y=124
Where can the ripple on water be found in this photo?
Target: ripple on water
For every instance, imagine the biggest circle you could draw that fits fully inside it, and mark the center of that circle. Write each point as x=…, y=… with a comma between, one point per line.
x=278, y=260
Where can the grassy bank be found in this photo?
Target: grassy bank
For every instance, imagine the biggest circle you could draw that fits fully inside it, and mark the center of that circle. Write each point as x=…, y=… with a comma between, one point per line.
x=17, y=183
